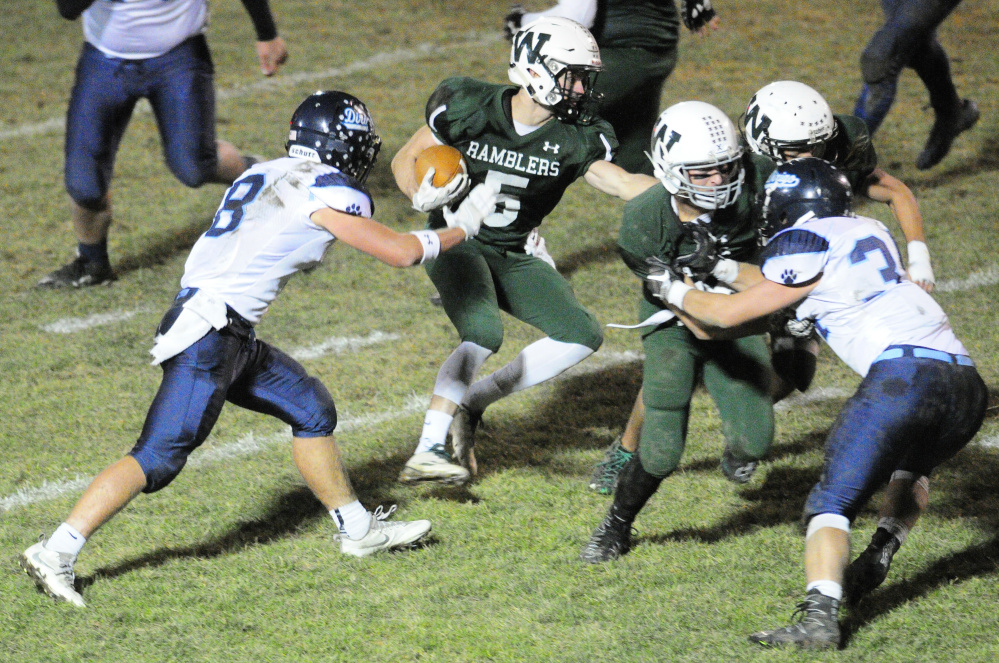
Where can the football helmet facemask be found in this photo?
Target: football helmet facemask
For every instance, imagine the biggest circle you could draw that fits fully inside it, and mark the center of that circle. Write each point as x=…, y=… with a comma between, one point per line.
x=334, y=128
x=556, y=61
x=804, y=188
x=695, y=136
x=788, y=116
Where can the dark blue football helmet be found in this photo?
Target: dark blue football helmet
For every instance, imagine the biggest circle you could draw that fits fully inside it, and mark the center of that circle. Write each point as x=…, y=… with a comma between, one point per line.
x=335, y=128
x=800, y=187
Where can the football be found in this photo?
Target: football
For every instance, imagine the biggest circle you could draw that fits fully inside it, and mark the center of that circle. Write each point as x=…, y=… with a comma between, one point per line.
x=446, y=161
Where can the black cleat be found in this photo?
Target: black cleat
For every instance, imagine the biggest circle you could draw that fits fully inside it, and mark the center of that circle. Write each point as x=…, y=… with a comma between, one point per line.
x=814, y=625
x=869, y=570
x=78, y=274
x=945, y=129
x=736, y=469
x=610, y=540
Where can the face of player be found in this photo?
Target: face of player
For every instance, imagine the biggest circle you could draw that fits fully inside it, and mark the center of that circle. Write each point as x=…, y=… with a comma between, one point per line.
x=714, y=176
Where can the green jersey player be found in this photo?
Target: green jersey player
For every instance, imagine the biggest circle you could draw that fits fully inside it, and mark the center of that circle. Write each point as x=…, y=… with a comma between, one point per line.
x=707, y=179
x=530, y=141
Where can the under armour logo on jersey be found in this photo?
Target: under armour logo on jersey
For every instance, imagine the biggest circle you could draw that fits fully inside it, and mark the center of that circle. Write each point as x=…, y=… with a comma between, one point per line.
x=549, y=146
x=788, y=276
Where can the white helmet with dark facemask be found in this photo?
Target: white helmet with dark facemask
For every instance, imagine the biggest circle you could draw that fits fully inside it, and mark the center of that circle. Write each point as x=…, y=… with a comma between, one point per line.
x=788, y=116
x=549, y=57
x=696, y=136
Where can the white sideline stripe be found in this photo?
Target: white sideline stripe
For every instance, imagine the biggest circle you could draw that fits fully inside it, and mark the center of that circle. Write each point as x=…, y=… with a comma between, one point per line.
x=978, y=279
x=73, y=325
x=58, y=125
x=816, y=395
x=337, y=345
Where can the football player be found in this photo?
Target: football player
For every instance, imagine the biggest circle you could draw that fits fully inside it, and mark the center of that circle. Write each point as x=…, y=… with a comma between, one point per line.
x=707, y=180
x=154, y=50
x=531, y=139
x=277, y=219
x=908, y=38
x=921, y=399
x=638, y=48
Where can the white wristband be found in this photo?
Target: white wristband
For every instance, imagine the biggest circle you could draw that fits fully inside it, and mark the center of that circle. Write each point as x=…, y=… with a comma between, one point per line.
x=676, y=292
x=430, y=241
x=726, y=271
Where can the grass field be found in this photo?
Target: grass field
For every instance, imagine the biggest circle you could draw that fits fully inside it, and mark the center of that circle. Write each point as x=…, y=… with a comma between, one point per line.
x=234, y=562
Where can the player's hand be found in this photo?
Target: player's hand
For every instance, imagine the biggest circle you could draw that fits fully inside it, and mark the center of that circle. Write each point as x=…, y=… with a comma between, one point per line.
x=661, y=276
x=480, y=203
x=429, y=197
x=512, y=22
x=699, y=16
x=272, y=54
x=535, y=246
x=698, y=263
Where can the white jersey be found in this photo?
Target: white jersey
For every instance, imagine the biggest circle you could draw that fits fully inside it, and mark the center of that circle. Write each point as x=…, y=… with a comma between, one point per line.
x=139, y=29
x=863, y=301
x=262, y=234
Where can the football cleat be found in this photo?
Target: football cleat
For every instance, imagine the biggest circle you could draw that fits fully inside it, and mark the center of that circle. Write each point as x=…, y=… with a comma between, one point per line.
x=433, y=466
x=463, y=438
x=869, y=570
x=385, y=535
x=814, y=626
x=78, y=274
x=52, y=572
x=605, y=474
x=735, y=469
x=945, y=129
x=610, y=540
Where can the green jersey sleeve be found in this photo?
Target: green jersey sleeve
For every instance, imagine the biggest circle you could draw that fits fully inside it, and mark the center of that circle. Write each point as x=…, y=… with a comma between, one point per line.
x=853, y=151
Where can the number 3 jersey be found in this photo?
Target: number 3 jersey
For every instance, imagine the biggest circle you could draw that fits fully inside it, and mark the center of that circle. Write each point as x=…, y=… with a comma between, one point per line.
x=262, y=234
x=863, y=302
x=532, y=170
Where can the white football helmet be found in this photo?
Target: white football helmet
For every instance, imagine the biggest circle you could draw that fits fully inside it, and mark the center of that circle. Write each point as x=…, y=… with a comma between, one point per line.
x=788, y=115
x=694, y=135
x=548, y=57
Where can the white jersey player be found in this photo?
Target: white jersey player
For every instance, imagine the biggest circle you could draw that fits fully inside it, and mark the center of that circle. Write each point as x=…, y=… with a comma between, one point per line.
x=921, y=399
x=276, y=220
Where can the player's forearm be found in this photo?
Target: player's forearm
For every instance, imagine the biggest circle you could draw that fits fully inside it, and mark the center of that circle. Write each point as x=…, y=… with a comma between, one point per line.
x=612, y=179
x=885, y=188
x=263, y=20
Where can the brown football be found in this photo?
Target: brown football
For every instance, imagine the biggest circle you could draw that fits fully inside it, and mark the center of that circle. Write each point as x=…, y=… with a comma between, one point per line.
x=446, y=161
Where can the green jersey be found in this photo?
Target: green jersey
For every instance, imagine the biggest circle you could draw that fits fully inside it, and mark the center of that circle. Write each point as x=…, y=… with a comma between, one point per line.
x=532, y=171
x=651, y=228
x=852, y=150
x=648, y=24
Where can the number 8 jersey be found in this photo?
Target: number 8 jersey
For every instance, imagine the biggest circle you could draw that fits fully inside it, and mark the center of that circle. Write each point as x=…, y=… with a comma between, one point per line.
x=262, y=234
x=533, y=170
x=864, y=302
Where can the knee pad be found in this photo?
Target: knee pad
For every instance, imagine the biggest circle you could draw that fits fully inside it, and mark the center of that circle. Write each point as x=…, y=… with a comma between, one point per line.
x=322, y=418
x=160, y=470
x=193, y=173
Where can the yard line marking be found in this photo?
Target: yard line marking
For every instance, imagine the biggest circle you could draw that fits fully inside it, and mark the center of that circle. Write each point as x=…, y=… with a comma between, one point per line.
x=73, y=325
x=978, y=279
x=337, y=345
x=815, y=395
x=267, y=85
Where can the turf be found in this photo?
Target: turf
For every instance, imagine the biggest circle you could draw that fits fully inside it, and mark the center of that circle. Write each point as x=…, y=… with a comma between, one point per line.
x=235, y=561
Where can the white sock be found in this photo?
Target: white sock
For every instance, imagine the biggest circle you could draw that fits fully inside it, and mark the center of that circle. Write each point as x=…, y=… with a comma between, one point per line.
x=435, y=426
x=829, y=588
x=896, y=527
x=539, y=361
x=352, y=519
x=66, y=540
